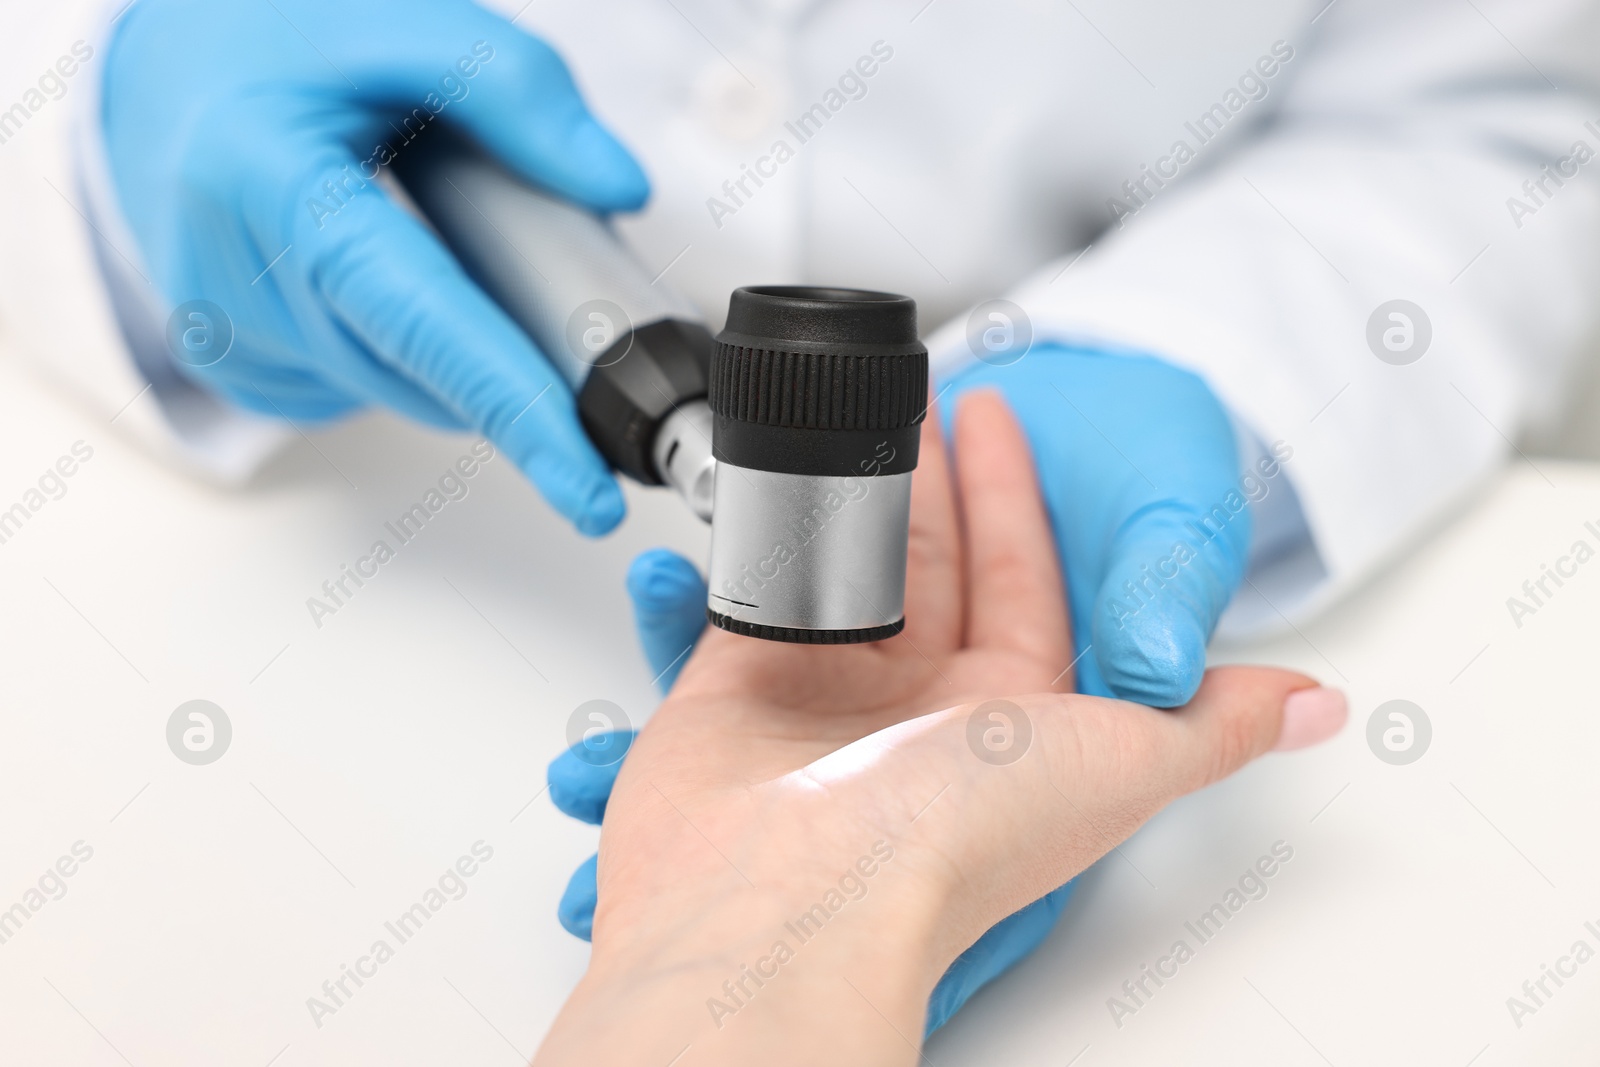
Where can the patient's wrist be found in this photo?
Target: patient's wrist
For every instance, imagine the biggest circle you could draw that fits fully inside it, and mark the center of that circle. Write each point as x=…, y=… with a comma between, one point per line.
x=750, y=973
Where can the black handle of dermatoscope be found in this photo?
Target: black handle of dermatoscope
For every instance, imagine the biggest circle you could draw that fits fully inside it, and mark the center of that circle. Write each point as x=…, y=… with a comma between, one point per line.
x=634, y=352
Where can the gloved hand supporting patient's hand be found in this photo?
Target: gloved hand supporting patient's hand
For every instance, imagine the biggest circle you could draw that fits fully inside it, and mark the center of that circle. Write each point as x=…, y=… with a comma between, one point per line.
x=243, y=140
x=1140, y=473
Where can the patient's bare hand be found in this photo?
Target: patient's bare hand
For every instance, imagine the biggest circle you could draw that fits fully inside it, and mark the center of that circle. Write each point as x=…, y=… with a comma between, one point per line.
x=804, y=837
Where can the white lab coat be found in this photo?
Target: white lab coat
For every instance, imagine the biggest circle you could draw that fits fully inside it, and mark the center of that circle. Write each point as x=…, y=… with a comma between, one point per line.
x=1346, y=154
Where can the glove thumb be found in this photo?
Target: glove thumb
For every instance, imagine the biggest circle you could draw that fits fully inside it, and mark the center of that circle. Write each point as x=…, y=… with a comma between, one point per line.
x=1171, y=572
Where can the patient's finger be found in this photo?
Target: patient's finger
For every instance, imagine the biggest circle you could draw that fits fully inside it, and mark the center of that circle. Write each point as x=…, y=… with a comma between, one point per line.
x=1015, y=597
x=934, y=597
x=1070, y=777
x=1240, y=713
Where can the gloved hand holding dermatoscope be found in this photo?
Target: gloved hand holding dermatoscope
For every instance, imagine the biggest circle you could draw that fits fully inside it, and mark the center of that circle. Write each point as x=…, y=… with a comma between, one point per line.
x=796, y=427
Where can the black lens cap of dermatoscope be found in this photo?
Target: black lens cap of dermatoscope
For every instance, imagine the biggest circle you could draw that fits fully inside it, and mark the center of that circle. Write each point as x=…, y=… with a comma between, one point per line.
x=816, y=380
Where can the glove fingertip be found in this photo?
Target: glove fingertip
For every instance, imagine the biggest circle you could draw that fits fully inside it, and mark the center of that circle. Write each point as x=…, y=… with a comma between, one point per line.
x=669, y=607
x=575, y=912
x=1158, y=664
x=602, y=511
x=1173, y=571
x=578, y=804
x=592, y=502
x=660, y=582
x=615, y=180
x=581, y=778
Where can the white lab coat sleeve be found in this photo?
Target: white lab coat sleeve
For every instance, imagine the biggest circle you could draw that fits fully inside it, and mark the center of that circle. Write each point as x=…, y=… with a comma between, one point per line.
x=75, y=300
x=1393, y=167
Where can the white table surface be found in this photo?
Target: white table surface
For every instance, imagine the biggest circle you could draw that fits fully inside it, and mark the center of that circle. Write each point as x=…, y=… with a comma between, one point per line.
x=369, y=754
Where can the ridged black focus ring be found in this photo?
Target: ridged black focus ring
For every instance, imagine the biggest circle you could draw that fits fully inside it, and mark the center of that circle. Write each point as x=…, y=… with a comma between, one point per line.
x=811, y=380
x=795, y=636
x=820, y=390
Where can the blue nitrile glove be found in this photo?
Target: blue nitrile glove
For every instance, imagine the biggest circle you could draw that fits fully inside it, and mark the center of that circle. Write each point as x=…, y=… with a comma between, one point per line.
x=669, y=598
x=1140, y=471
x=243, y=140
